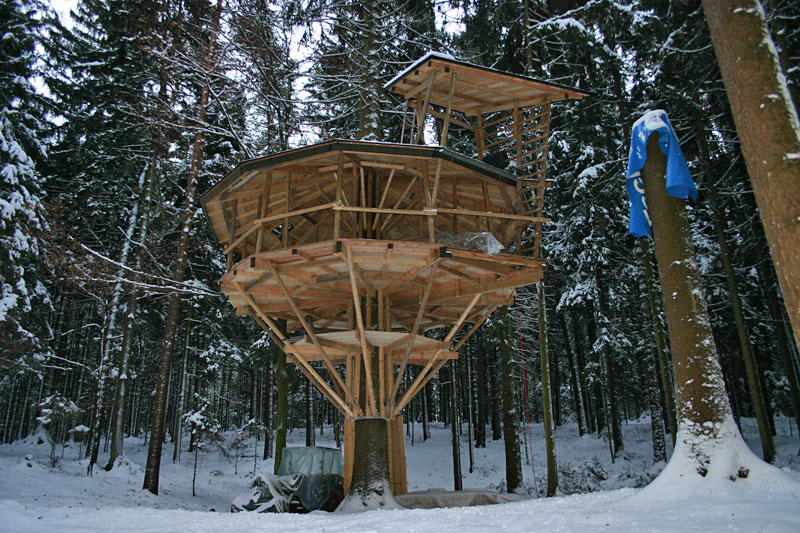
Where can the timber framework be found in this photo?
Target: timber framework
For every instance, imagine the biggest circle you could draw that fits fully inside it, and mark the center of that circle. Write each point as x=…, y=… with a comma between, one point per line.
x=364, y=246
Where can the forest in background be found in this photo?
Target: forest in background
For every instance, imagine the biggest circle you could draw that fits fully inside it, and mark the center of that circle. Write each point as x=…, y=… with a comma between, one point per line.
x=111, y=126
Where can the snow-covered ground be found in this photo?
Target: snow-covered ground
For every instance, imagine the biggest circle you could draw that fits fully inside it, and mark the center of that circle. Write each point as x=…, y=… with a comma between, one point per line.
x=35, y=497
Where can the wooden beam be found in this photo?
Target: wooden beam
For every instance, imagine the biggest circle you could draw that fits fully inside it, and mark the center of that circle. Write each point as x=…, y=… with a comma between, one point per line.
x=423, y=379
x=448, y=111
x=285, y=229
x=337, y=216
x=310, y=332
x=414, y=329
x=365, y=353
x=321, y=384
x=258, y=311
x=383, y=197
x=263, y=211
x=457, y=122
x=422, y=113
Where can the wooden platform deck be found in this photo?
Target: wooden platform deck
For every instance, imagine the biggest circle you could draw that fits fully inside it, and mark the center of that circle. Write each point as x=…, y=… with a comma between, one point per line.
x=322, y=279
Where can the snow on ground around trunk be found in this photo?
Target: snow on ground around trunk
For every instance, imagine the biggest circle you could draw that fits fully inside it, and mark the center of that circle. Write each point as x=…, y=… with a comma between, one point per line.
x=35, y=497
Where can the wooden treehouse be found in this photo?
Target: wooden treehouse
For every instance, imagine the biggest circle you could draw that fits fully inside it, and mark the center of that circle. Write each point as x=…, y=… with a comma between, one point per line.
x=362, y=246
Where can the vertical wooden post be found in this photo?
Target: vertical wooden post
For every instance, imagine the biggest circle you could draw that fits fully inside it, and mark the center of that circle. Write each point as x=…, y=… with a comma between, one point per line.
x=422, y=111
x=545, y=127
x=448, y=109
x=231, y=220
x=285, y=230
x=520, y=188
x=337, y=215
x=479, y=138
x=455, y=204
x=263, y=211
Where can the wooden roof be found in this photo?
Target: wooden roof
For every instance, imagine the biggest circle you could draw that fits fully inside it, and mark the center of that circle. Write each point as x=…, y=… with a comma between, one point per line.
x=304, y=178
x=477, y=89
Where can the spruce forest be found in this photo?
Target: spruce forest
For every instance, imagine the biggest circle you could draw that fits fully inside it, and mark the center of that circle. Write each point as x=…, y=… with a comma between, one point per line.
x=115, y=116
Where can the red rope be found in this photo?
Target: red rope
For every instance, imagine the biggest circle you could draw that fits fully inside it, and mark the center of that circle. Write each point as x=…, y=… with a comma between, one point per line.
x=527, y=407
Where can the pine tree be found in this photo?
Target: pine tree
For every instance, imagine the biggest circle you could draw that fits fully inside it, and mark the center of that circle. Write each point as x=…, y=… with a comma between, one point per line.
x=23, y=127
x=769, y=129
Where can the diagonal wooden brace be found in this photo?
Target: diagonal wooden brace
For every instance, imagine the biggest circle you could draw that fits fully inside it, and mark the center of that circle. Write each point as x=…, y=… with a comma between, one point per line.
x=337, y=379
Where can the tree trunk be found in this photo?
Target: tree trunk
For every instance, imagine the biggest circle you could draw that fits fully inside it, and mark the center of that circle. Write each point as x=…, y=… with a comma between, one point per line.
x=608, y=364
x=756, y=393
x=549, y=436
x=457, y=481
x=267, y=409
x=495, y=398
x=648, y=368
x=480, y=425
x=158, y=418
x=118, y=409
x=706, y=426
x=510, y=417
x=369, y=486
x=577, y=394
x=769, y=131
x=282, y=378
x=470, y=418
x=307, y=405
x=176, y=451
x=108, y=344
x=663, y=364
x=782, y=340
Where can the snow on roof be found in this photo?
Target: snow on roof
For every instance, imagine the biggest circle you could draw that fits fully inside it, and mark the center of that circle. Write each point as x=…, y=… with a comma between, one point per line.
x=418, y=62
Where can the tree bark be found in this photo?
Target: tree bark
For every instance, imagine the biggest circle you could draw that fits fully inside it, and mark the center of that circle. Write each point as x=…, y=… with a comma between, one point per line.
x=457, y=481
x=170, y=325
x=704, y=415
x=282, y=393
x=370, y=487
x=663, y=364
x=480, y=425
x=577, y=395
x=608, y=364
x=547, y=406
x=756, y=393
x=119, y=406
x=769, y=131
x=510, y=417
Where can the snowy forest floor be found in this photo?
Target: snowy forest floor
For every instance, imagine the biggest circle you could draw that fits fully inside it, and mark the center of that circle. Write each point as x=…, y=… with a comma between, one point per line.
x=35, y=497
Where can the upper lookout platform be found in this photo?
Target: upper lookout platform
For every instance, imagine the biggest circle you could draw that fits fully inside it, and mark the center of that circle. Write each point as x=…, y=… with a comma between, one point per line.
x=477, y=90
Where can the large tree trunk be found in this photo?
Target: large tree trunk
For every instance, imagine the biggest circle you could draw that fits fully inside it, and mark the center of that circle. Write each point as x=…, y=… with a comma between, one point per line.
x=707, y=440
x=369, y=485
x=118, y=409
x=663, y=364
x=769, y=131
x=756, y=393
x=547, y=406
x=170, y=325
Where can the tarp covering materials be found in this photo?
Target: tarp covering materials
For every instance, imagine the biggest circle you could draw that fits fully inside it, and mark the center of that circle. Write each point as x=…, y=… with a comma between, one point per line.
x=313, y=475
